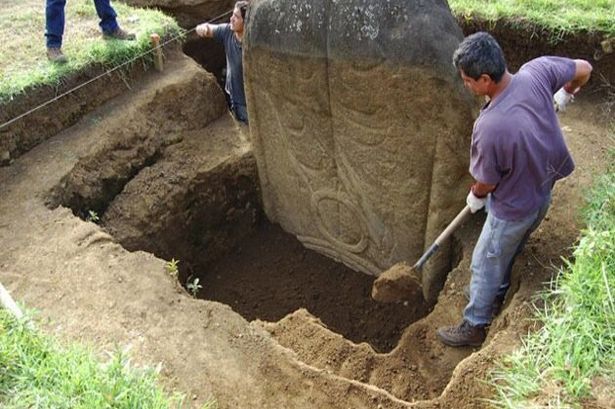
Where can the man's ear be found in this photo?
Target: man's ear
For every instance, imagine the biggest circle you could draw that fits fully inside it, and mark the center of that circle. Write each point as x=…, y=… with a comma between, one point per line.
x=485, y=78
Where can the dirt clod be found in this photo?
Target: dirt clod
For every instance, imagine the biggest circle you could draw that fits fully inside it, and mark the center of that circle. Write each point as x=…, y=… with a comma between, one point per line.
x=398, y=283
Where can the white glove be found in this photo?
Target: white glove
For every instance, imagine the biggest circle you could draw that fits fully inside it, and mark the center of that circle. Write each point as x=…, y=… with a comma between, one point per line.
x=561, y=99
x=475, y=203
x=202, y=29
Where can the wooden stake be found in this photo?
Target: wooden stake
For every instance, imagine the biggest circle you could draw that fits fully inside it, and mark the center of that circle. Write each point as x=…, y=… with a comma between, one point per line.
x=8, y=303
x=158, y=62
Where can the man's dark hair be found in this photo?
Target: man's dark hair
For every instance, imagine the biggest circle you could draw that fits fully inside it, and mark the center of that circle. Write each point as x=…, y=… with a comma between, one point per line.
x=480, y=54
x=243, y=7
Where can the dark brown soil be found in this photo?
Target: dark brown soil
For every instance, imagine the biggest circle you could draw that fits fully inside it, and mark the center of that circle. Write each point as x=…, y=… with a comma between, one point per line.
x=270, y=275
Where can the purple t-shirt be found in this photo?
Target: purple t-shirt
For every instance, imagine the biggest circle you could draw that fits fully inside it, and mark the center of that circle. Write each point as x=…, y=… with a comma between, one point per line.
x=517, y=143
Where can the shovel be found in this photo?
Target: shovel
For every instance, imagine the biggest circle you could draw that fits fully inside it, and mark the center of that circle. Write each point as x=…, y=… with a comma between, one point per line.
x=402, y=281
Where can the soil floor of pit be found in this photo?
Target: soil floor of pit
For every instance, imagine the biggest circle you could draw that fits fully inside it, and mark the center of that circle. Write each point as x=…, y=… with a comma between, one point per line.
x=87, y=287
x=271, y=275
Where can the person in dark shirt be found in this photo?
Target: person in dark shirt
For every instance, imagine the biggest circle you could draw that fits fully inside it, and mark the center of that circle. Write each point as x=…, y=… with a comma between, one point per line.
x=231, y=36
x=517, y=154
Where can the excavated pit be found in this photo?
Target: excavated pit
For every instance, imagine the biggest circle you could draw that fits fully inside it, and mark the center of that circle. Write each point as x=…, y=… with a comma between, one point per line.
x=186, y=189
x=270, y=274
x=178, y=204
x=240, y=258
x=191, y=193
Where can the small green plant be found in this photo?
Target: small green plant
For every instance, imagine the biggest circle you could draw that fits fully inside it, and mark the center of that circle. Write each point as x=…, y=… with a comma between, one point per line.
x=193, y=286
x=172, y=268
x=92, y=217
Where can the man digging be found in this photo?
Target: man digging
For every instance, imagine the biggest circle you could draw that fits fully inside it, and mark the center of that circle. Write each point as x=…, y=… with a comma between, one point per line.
x=517, y=154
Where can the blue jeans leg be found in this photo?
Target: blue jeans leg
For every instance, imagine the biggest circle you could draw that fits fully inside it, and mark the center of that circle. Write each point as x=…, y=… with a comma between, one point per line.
x=240, y=112
x=54, y=23
x=108, y=21
x=542, y=212
x=499, y=243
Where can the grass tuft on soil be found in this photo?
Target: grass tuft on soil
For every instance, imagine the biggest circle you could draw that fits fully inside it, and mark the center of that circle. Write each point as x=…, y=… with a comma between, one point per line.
x=558, y=16
x=558, y=365
x=37, y=372
x=23, y=60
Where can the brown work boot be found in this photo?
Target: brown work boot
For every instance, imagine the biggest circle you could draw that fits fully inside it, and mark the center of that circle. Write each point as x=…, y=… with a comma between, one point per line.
x=119, y=34
x=55, y=55
x=462, y=335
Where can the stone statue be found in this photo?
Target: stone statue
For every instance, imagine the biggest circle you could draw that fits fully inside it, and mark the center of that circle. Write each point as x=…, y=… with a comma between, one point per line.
x=360, y=126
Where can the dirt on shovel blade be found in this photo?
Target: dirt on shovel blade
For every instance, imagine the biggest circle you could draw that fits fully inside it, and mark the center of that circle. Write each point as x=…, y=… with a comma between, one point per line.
x=401, y=282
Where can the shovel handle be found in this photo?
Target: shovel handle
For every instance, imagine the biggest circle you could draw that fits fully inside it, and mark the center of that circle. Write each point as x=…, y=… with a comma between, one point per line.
x=430, y=252
x=7, y=302
x=443, y=236
x=453, y=225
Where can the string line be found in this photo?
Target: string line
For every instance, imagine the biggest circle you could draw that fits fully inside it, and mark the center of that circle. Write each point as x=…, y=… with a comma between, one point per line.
x=70, y=91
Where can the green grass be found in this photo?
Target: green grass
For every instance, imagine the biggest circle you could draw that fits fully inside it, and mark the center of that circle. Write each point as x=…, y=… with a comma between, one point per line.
x=559, y=16
x=576, y=344
x=23, y=62
x=37, y=372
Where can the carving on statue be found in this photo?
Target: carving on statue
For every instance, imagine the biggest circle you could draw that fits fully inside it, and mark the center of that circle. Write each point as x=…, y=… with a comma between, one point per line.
x=353, y=241
x=309, y=165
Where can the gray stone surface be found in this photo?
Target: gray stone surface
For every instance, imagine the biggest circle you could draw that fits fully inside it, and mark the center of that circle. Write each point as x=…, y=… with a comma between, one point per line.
x=360, y=126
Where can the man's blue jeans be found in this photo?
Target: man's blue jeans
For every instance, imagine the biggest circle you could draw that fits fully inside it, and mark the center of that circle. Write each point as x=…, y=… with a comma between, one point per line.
x=499, y=244
x=54, y=23
x=240, y=112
